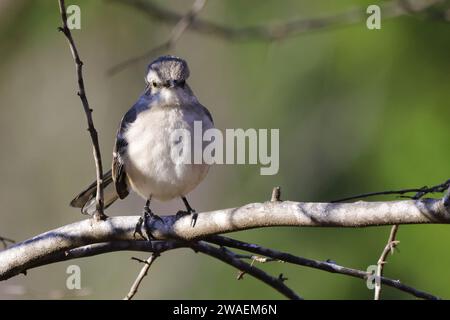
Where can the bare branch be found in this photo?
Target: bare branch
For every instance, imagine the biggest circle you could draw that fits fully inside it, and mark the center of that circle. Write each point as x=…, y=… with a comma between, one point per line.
x=181, y=26
x=275, y=32
x=157, y=247
x=99, y=215
x=27, y=254
x=147, y=264
x=315, y=264
x=389, y=248
x=106, y=247
x=264, y=32
x=162, y=246
x=227, y=257
x=392, y=242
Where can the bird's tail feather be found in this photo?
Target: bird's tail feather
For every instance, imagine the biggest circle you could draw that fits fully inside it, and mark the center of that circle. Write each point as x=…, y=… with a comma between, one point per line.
x=86, y=199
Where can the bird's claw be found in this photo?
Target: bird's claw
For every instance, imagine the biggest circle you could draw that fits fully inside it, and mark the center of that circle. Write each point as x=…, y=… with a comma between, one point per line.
x=194, y=218
x=192, y=212
x=138, y=228
x=142, y=224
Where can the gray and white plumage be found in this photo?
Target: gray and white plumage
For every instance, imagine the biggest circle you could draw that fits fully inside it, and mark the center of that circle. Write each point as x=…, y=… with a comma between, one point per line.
x=142, y=153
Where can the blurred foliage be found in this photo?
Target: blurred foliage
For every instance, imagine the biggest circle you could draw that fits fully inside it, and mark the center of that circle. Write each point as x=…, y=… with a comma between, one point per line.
x=358, y=111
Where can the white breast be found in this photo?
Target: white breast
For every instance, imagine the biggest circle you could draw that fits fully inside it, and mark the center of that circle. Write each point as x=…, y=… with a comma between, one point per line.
x=148, y=162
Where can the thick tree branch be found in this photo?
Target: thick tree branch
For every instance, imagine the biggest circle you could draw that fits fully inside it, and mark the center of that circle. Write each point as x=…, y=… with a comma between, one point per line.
x=99, y=215
x=27, y=254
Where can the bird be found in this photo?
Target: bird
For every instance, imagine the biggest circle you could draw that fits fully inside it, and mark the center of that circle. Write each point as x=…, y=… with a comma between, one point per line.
x=142, y=160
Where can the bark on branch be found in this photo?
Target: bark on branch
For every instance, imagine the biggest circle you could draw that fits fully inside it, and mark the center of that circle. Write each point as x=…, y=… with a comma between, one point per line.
x=42, y=248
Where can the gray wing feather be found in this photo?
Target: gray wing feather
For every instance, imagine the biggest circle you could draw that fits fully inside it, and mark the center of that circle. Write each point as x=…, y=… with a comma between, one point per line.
x=119, y=174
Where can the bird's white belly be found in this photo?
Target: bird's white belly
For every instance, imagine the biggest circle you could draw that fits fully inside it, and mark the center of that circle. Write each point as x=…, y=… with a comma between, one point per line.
x=148, y=162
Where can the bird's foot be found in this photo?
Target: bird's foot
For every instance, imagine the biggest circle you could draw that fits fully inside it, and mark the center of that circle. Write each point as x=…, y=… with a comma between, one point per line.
x=141, y=225
x=191, y=212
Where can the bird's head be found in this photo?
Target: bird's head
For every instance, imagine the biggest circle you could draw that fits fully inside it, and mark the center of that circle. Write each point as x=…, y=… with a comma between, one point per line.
x=167, y=72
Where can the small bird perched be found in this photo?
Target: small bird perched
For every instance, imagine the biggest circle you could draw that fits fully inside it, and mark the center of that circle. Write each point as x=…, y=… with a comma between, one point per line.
x=142, y=156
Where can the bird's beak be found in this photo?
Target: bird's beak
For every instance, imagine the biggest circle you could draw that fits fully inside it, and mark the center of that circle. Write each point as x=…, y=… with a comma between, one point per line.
x=172, y=83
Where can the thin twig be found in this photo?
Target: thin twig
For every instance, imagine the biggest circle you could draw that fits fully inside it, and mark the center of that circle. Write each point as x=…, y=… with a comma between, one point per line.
x=315, y=264
x=181, y=26
x=392, y=242
x=99, y=215
x=420, y=192
x=232, y=260
x=5, y=241
x=249, y=256
x=389, y=248
x=276, y=194
x=147, y=264
x=253, y=258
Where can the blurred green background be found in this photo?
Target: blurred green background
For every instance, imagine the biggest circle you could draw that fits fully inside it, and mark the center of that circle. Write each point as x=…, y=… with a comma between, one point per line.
x=358, y=111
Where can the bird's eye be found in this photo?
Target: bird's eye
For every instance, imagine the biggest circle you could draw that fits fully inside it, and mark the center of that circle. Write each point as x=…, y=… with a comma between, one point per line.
x=154, y=84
